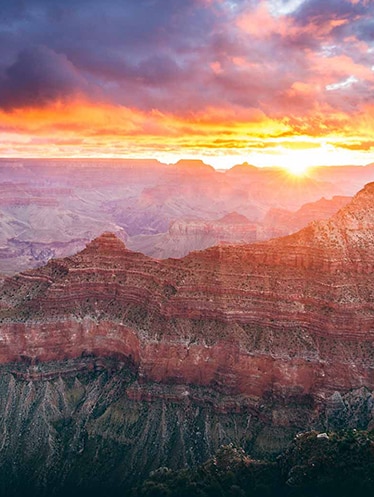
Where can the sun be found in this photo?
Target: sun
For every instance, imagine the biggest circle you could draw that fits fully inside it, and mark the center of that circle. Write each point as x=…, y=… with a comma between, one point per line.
x=296, y=169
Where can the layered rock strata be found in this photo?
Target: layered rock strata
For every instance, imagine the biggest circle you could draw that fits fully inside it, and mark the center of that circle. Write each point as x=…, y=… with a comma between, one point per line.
x=187, y=235
x=281, y=222
x=292, y=315
x=113, y=363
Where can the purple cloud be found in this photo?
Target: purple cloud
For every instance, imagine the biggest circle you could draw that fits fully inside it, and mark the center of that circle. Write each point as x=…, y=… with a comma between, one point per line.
x=38, y=76
x=180, y=56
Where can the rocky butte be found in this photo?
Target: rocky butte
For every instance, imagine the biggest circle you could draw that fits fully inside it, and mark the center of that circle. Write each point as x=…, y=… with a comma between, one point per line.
x=158, y=362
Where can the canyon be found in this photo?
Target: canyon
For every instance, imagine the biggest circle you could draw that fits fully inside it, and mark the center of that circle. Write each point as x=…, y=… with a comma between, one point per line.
x=143, y=362
x=53, y=208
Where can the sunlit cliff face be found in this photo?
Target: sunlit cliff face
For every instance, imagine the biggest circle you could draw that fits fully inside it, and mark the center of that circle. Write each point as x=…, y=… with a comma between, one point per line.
x=272, y=82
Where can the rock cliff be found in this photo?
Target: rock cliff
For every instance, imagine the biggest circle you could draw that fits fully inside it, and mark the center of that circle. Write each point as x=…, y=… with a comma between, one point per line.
x=52, y=208
x=291, y=314
x=278, y=336
x=281, y=222
x=187, y=235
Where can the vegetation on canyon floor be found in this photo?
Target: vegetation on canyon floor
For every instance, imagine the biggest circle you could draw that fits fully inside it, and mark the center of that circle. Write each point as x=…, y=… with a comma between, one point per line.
x=314, y=465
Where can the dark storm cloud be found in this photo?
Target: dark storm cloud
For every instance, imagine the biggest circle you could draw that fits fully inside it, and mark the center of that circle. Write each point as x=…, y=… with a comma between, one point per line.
x=38, y=76
x=173, y=55
x=125, y=43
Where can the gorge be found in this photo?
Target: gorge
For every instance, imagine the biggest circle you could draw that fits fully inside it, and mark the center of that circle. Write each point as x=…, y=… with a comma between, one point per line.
x=135, y=363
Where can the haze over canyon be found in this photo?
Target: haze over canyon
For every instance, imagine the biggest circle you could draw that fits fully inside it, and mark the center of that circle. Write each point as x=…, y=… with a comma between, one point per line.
x=186, y=248
x=52, y=208
x=158, y=362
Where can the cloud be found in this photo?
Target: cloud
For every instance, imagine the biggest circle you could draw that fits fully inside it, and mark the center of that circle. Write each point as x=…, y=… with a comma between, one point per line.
x=341, y=85
x=172, y=66
x=38, y=76
x=358, y=145
x=179, y=55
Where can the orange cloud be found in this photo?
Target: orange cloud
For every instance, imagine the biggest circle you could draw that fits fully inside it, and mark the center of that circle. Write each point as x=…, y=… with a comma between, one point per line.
x=84, y=129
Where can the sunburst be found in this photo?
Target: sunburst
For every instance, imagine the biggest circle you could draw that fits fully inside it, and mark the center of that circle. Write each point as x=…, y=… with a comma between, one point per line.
x=297, y=169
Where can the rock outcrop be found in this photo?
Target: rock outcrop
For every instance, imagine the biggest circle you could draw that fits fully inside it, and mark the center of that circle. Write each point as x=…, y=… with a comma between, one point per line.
x=159, y=362
x=281, y=222
x=292, y=315
x=53, y=208
x=188, y=235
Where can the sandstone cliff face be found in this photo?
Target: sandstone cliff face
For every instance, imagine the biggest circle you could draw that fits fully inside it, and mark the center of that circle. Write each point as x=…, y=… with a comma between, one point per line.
x=281, y=222
x=289, y=315
x=89, y=423
x=248, y=343
x=188, y=235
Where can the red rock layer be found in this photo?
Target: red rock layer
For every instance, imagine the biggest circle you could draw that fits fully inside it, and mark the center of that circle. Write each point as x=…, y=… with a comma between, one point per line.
x=281, y=222
x=294, y=315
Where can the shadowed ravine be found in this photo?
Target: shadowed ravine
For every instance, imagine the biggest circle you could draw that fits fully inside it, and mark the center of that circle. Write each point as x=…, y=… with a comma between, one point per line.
x=89, y=424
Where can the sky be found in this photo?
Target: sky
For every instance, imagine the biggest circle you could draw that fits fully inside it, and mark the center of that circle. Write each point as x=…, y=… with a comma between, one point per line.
x=270, y=82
